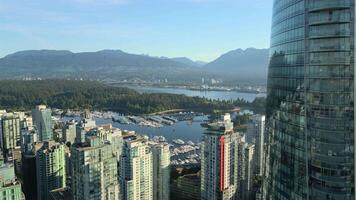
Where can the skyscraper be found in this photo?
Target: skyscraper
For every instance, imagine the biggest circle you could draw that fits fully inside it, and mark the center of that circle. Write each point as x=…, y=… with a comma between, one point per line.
x=29, y=137
x=106, y=133
x=94, y=171
x=82, y=128
x=50, y=168
x=256, y=129
x=42, y=119
x=310, y=102
x=246, y=169
x=186, y=187
x=136, y=169
x=161, y=171
x=11, y=136
x=219, y=159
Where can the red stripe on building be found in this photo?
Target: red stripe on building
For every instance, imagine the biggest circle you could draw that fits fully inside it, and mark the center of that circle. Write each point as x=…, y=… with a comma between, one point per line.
x=222, y=162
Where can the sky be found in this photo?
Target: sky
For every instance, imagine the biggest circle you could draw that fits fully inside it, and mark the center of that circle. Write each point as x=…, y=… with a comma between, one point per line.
x=198, y=29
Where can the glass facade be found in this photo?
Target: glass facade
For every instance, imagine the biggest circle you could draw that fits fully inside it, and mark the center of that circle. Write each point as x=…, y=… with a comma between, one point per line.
x=310, y=101
x=42, y=119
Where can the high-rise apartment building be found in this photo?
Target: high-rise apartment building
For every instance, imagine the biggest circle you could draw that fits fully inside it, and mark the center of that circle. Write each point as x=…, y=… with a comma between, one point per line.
x=82, y=128
x=161, y=171
x=29, y=137
x=10, y=188
x=310, y=101
x=219, y=160
x=42, y=119
x=246, y=169
x=255, y=130
x=11, y=137
x=186, y=187
x=94, y=171
x=136, y=169
x=50, y=168
x=69, y=132
x=107, y=133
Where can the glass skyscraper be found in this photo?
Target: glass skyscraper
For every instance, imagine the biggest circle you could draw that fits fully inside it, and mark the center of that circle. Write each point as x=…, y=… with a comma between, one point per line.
x=42, y=119
x=310, y=101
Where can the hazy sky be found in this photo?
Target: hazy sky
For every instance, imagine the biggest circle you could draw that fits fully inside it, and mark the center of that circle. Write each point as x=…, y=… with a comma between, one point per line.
x=199, y=29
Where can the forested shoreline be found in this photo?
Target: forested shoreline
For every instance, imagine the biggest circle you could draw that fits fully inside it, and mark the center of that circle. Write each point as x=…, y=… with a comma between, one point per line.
x=69, y=94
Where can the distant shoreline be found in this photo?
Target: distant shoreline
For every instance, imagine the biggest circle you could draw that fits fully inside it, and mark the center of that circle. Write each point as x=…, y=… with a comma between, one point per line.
x=191, y=88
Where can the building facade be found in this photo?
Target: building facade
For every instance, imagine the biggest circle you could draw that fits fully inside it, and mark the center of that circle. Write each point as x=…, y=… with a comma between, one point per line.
x=94, y=171
x=219, y=161
x=246, y=169
x=11, y=136
x=108, y=134
x=186, y=187
x=310, y=101
x=136, y=169
x=161, y=171
x=42, y=119
x=50, y=168
x=10, y=187
x=256, y=130
x=29, y=138
x=69, y=132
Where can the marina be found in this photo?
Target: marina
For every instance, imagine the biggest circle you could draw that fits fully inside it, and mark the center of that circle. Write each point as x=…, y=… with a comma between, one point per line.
x=182, y=131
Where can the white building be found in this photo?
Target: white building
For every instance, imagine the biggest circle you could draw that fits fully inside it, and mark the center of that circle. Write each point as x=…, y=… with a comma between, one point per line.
x=94, y=171
x=69, y=132
x=219, y=160
x=136, y=169
x=161, y=171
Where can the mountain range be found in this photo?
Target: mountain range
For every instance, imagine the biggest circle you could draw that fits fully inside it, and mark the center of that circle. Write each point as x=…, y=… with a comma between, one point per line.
x=248, y=65
x=187, y=61
x=244, y=65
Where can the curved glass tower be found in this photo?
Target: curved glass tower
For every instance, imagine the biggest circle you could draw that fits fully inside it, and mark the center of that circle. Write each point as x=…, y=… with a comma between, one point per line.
x=310, y=101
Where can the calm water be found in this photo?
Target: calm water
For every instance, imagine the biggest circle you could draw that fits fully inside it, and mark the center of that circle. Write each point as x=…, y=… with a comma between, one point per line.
x=222, y=95
x=185, y=130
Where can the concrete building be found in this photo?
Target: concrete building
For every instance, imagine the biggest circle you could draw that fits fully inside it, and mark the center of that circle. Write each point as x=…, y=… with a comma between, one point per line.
x=10, y=188
x=42, y=120
x=219, y=160
x=136, y=169
x=69, y=132
x=161, y=171
x=50, y=168
x=186, y=187
x=29, y=138
x=94, y=171
x=107, y=133
x=11, y=137
x=246, y=170
x=61, y=194
x=27, y=122
x=84, y=126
